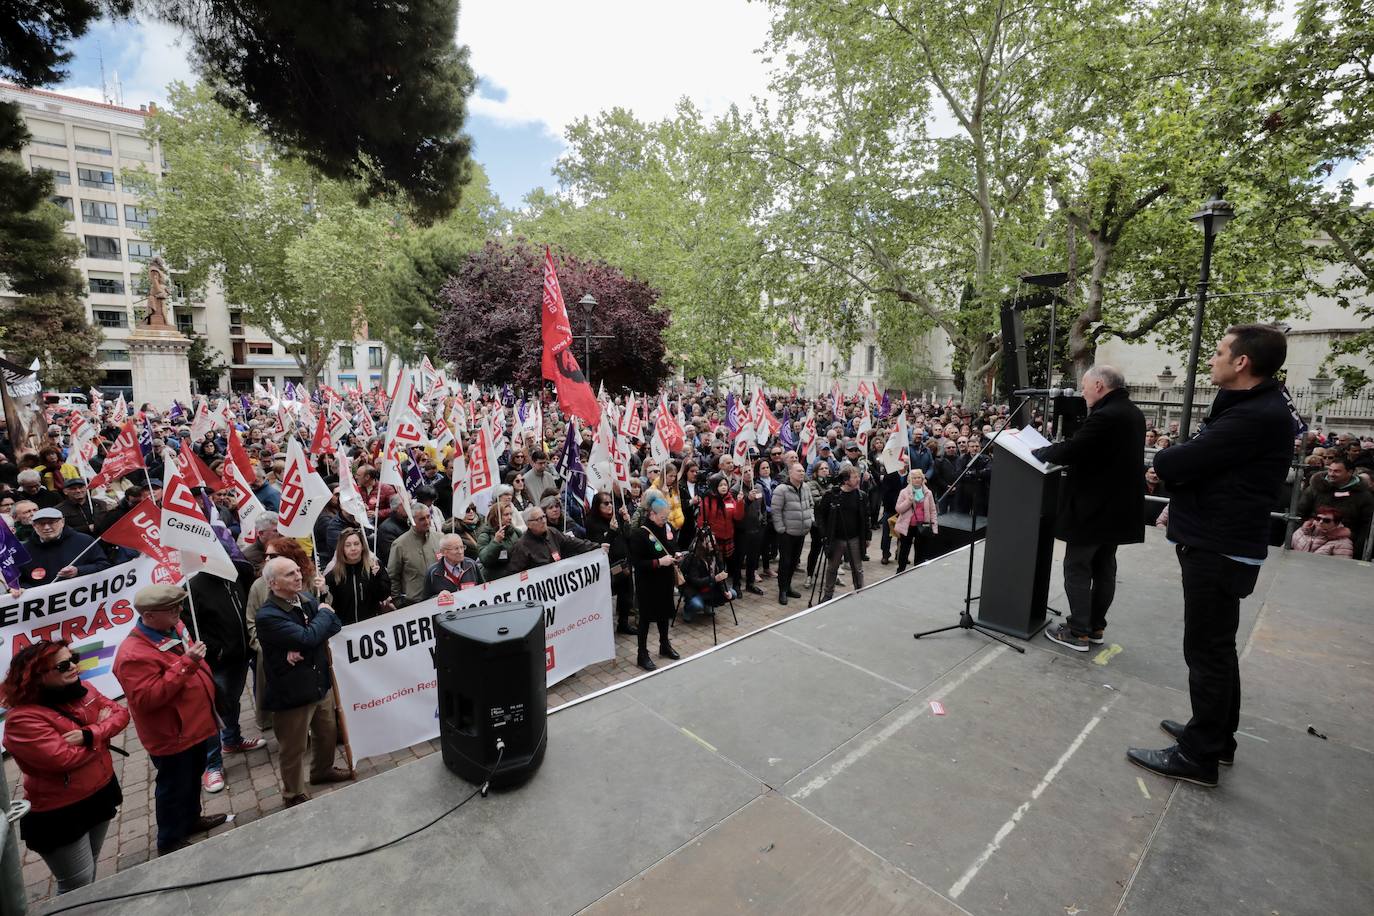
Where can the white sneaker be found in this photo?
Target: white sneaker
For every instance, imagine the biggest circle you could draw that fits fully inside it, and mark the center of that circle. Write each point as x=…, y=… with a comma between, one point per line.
x=810, y=582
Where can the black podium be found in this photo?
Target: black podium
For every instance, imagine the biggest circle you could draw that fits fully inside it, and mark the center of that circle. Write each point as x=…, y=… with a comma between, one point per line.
x=1019, y=546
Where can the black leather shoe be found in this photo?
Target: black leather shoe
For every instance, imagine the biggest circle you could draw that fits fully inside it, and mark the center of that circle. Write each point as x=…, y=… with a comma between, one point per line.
x=885, y=560
x=782, y=597
x=644, y=661
x=626, y=630
x=793, y=593
x=208, y=822
x=1175, y=764
x=1175, y=730
x=753, y=589
x=666, y=650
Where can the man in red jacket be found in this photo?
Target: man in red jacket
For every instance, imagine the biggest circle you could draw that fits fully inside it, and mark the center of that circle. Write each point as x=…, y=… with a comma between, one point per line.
x=171, y=694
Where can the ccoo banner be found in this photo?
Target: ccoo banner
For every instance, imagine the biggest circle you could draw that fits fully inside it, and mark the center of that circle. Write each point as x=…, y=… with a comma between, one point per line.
x=92, y=613
x=385, y=666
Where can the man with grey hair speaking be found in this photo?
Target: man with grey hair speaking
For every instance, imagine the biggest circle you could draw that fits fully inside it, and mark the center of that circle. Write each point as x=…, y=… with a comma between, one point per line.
x=1101, y=503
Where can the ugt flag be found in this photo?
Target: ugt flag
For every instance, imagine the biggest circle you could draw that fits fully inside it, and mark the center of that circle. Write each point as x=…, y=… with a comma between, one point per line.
x=559, y=365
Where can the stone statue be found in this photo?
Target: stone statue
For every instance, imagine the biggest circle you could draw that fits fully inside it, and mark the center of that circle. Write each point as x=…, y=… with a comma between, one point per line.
x=157, y=294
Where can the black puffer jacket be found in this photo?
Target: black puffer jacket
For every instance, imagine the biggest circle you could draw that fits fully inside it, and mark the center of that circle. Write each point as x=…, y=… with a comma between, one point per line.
x=1223, y=481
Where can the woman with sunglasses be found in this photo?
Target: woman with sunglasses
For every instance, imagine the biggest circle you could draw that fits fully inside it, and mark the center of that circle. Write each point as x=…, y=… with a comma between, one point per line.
x=59, y=732
x=1325, y=534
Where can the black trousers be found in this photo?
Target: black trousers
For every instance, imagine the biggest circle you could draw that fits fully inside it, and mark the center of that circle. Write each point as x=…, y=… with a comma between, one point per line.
x=789, y=555
x=1089, y=584
x=176, y=793
x=1213, y=586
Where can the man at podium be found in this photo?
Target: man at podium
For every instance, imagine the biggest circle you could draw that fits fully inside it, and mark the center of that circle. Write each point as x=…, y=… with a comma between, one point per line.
x=1101, y=503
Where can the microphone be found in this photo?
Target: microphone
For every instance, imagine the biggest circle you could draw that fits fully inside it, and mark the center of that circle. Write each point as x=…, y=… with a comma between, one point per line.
x=1044, y=392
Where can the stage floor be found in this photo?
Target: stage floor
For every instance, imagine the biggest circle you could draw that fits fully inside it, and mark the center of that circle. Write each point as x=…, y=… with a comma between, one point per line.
x=802, y=770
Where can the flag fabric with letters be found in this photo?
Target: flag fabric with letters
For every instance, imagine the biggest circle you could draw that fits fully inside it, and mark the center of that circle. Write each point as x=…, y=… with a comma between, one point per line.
x=350, y=500
x=482, y=470
x=559, y=365
x=12, y=555
x=303, y=494
x=238, y=475
x=184, y=526
x=123, y=456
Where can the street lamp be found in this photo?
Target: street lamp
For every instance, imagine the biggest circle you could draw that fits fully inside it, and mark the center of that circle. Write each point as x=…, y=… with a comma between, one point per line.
x=588, y=305
x=1166, y=387
x=1211, y=219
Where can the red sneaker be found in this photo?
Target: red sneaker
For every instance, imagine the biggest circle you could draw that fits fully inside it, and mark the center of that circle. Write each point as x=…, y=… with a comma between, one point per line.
x=244, y=745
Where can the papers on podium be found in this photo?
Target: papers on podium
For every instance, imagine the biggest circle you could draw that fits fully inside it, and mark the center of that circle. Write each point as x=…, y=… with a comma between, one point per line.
x=1022, y=443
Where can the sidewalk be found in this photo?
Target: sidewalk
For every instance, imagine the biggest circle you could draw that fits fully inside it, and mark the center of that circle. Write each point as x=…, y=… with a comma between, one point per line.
x=252, y=789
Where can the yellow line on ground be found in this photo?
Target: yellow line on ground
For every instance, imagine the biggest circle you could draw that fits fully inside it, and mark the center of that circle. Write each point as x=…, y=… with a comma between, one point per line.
x=1106, y=654
x=699, y=740
x=1143, y=791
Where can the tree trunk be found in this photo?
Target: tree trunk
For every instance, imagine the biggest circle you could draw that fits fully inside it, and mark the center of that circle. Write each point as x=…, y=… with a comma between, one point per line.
x=1082, y=345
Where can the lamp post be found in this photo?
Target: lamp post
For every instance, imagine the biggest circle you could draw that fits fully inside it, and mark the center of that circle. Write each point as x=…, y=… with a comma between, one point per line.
x=588, y=305
x=1211, y=219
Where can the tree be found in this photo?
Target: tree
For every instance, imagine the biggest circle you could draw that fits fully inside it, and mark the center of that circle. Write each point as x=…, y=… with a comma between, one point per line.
x=367, y=93
x=206, y=363
x=490, y=330
x=677, y=204
x=45, y=317
x=294, y=249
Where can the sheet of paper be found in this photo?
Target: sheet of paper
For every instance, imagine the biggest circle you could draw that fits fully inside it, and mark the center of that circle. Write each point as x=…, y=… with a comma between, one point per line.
x=1022, y=443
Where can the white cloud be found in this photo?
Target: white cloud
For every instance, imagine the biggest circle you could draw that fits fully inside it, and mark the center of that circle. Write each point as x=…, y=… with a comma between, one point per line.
x=141, y=59
x=556, y=62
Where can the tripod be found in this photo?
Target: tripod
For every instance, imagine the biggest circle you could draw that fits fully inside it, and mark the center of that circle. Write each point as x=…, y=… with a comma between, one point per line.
x=966, y=621
x=708, y=538
x=827, y=530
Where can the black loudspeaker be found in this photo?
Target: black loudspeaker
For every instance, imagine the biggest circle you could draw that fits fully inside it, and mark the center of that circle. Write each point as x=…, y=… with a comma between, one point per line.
x=492, y=686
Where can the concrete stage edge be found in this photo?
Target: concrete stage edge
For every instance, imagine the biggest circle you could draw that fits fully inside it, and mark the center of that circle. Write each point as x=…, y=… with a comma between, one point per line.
x=803, y=770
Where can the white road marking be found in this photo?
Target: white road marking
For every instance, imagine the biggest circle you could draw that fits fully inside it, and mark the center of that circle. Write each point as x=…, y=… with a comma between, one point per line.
x=1005, y=831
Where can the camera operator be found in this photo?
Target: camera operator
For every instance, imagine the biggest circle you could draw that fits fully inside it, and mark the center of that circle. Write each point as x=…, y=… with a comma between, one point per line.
x=843, y=514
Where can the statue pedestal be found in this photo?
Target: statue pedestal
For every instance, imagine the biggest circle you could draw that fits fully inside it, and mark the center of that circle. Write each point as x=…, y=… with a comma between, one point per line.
x=161, y=372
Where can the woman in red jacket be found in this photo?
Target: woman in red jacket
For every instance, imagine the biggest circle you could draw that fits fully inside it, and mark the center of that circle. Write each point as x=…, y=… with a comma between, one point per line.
x=720, y=510
x=59, y=732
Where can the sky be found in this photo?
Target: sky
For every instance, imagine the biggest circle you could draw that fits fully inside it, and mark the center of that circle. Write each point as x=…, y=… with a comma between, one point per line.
x=539, y=69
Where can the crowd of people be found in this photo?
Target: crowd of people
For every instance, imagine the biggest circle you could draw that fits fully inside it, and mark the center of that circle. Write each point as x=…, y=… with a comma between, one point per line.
x=688, y=533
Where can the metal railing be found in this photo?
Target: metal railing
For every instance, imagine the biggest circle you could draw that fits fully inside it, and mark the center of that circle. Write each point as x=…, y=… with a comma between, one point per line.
x=1291, y=521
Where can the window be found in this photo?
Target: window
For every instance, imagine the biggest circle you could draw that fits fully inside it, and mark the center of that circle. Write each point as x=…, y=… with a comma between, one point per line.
x=140, y=251
x=49, y=133
x=345, y=357
x=114, y=356
x=99, y=213
x=110, y=286
x=59, y=176
x=260, y=349
x=90, y=177
x=870, y=359
x=236, y=322
x=137, y=217
x=65, y=204
x=107, y=319
x=374, y=357
x=102, y=248
x=135, y=148
x=267, y=380
x=93, y=141
x=184, y=325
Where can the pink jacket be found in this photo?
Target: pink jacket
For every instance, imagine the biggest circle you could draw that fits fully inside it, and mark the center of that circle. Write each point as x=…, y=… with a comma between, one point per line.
x=906, y=511
x=1336, y=544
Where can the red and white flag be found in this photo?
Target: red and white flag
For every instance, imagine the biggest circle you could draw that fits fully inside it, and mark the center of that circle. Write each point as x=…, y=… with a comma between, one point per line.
x=322, y=441
x=121, y=410
x=765, y=423
x=350, y=500
x=404, y=428
x=121, y=458
x=139, y=530
x=482, y=471
x=559, y=365
x=895, y=456
x=630, y=426
x=184, y=526
x=865, y=428
x=668, y=427
x=238, y=476
x=303, y=494
x=744, y=440
x=462, y=492
x=202, y=423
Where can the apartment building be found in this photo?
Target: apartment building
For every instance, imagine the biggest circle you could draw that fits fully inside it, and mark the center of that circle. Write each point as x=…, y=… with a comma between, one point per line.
x=89, y=147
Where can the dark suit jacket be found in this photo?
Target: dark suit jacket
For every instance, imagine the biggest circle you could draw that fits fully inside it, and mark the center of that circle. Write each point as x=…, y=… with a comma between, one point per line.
x=1102, y=500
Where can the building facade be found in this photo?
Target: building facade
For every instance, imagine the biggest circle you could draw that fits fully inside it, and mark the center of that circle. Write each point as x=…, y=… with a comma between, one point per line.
x=90, y=147
x=820, y=364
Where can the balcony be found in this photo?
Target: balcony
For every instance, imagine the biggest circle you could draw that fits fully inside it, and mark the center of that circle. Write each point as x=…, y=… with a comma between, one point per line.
x=274, y=361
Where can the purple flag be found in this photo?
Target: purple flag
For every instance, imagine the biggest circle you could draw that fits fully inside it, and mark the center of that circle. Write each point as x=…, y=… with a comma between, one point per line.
x=570, y=466
x=731, y=420
x=175, y=413
x=885, y=408
x=12, y=555
x=290, y=391
x=520, y=411
x=785, y=436
x=245, y=405
x=145, y=441
x=413, y=478
x=222, y=532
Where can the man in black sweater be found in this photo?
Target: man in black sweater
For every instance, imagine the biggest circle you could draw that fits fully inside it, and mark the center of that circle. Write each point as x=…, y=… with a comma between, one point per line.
x=1101, y=503
x=1221, y=484
x=843, y=517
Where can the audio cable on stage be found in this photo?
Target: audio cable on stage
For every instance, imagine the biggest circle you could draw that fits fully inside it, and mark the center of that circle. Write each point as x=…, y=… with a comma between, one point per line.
x=190, y=885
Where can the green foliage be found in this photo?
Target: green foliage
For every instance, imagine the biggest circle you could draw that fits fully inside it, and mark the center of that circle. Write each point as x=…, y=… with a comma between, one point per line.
x=676, y=204
x=34, y=35
x=206, y=363
x=294, y=249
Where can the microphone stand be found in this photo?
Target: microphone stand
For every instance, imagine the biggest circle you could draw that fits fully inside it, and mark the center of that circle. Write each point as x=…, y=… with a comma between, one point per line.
x=966, y=621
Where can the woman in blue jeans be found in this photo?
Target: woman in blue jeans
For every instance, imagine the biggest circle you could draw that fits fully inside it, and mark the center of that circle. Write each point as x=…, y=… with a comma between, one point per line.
x=706, y=588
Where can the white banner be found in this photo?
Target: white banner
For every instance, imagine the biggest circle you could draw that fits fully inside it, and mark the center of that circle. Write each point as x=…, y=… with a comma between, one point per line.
x=385, y=666
x=92, y=613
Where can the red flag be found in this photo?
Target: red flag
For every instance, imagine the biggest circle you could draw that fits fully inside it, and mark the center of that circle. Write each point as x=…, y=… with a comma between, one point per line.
x=138, y=529
x=121, y=458
x=197, y=472
x=321, y=442
x=559, y=365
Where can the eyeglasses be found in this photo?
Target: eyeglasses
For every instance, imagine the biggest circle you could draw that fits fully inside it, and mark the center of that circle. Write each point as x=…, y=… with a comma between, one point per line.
x=67, y=664
x=1325, y=520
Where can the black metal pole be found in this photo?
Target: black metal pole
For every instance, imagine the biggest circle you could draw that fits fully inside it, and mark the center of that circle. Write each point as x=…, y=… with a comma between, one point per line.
x=1185, y=424
x=587, y=325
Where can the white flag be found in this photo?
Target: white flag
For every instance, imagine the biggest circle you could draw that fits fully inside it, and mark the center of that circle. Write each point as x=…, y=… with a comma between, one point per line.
x=185, y=526
x=350, y=500
x=482, y=470
x=303, y=494
x=895, y=455
x=462, y=494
